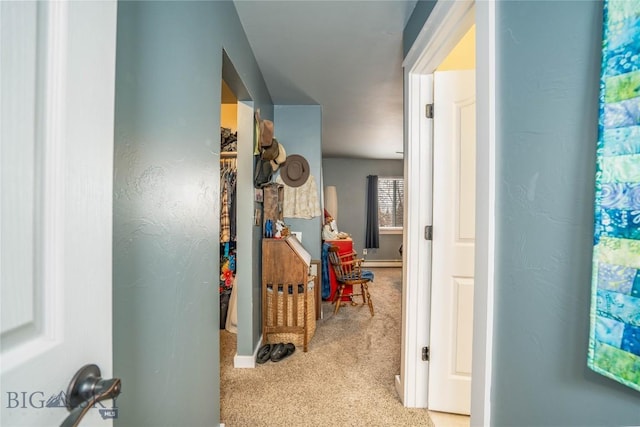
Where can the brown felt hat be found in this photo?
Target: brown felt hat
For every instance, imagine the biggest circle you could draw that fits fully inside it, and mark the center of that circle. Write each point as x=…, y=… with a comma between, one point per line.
x=295, y=170
x=271, y=152
x=280, y=158
x=262, y=173
x=266, y=133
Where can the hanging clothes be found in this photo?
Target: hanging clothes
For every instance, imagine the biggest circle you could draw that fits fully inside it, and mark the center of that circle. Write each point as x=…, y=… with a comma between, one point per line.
x=228, y=140
x=228, y=176
x=233, y=204
x=301, y=202
x=225, y=226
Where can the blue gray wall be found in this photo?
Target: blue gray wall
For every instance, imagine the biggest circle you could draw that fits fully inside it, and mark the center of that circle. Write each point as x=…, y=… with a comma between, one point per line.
x=299, y=129
x=416, y=22
x=166, y=204
x=548, y=76
x=350, y=178
x=548, y=79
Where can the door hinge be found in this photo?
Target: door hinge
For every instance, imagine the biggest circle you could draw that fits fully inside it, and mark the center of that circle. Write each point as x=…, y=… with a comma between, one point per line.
x=428, y=232
x=425, y=354
x=429, y=111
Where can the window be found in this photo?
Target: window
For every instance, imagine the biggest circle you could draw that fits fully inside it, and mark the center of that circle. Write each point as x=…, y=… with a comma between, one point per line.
x=390, y=204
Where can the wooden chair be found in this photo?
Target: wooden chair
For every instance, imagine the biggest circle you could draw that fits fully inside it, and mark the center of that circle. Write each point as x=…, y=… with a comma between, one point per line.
x=348, y=269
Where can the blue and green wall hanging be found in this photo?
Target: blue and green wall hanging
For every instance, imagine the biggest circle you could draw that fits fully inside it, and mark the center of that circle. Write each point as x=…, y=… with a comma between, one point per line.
x=614, y=339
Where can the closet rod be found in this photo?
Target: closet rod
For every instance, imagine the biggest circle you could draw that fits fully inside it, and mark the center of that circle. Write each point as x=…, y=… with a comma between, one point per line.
x=228, y=154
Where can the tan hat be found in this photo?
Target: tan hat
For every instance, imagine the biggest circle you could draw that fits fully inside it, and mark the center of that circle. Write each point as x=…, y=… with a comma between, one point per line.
x=271, y=152
x=281, y=157
x=266, y=133
x=295, y=170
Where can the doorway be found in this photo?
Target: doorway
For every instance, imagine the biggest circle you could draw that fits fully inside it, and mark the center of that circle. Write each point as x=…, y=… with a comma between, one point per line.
x=228, y=213
x=445, y=26
x=247, y=269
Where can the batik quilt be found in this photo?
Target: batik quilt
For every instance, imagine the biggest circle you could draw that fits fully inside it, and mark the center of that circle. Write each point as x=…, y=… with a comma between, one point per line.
x=614, y=341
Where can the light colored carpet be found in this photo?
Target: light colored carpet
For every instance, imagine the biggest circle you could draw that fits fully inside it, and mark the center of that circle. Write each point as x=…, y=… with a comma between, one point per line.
x=345, y=379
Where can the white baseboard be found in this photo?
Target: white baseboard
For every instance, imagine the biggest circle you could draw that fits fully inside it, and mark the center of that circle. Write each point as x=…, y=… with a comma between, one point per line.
x=247, y=361
x=399, y=389
x=383, y=263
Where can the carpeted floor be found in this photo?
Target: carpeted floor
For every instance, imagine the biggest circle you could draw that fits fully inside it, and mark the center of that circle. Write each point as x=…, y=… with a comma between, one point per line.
x=345, y=379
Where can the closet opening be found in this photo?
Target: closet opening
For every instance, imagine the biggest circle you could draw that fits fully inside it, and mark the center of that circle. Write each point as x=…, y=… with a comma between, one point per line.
x=237, y=259
x=228, y=208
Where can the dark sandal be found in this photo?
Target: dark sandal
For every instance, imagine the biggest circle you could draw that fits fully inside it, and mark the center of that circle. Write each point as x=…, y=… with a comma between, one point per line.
x=279, y=352
x=286, y=351
x=291, y=348
x=264, y=353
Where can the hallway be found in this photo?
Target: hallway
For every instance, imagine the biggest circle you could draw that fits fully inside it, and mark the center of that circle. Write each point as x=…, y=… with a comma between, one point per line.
x=345, y=379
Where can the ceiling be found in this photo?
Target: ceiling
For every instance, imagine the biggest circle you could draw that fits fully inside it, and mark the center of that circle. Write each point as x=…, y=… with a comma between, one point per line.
x=343, y=55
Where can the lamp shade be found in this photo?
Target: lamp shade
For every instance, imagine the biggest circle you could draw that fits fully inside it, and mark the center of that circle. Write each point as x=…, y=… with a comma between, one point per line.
x=331, y=201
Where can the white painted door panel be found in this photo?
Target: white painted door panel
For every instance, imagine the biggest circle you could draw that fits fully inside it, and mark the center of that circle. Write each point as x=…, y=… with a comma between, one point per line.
x=453, y=242
x=56, y=173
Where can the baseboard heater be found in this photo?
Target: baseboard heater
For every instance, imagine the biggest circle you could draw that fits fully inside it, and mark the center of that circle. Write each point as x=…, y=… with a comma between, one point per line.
x=383, y=263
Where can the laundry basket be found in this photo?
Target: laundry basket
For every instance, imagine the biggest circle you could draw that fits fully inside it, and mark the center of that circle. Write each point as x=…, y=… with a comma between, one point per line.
x=280, y=325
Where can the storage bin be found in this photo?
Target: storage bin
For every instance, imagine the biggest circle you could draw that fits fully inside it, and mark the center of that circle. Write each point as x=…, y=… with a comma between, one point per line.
x=284, y=328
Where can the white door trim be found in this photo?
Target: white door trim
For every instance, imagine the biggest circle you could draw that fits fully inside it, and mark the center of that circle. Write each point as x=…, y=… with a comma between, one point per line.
x=412, y=382
x=445, y=26
x=245, y=220
x=485, y=213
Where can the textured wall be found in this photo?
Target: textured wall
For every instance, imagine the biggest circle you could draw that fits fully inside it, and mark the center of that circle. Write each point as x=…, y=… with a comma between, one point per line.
x=299, y=129
x=166, y=205
x=350, y=178
x=548, y=77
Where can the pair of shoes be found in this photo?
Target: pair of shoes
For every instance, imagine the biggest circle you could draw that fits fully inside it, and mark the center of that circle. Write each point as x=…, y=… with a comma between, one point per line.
x=282, y=351
x=274, y=352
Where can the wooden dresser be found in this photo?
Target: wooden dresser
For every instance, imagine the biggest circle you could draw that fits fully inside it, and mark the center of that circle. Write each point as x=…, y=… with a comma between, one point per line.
x=288, y=297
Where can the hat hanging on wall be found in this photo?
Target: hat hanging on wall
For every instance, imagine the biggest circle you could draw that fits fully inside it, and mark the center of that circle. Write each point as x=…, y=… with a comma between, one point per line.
x=271, y=152
x=266, y=133
x=295, y=170
x=256, y=135
x=262, y=173
x=280, y=158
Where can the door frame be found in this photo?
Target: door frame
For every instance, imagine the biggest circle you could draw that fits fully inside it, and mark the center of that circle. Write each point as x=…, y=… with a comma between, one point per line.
x=245, y=276
x=444, y=27
x=247, y=271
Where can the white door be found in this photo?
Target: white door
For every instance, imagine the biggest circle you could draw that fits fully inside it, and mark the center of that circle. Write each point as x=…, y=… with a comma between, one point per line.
x=56, y=173
x=454, y=157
